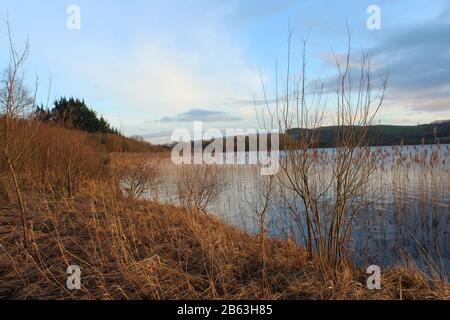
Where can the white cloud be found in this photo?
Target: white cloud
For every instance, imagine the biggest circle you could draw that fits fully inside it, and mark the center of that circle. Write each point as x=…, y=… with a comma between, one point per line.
x=157, y=80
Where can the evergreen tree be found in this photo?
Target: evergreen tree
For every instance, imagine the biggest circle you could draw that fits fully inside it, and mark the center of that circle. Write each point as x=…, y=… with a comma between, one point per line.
x=74, y=113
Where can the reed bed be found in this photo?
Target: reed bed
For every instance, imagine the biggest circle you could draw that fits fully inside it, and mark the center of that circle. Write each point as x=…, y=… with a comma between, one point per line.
x=405, y=214
x=143, y=250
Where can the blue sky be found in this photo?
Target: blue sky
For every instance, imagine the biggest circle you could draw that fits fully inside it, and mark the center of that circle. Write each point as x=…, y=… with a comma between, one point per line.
x=153, y=66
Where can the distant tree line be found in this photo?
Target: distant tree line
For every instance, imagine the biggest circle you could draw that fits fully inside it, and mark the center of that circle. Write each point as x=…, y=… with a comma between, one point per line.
x=383, y=135
x=74, y=113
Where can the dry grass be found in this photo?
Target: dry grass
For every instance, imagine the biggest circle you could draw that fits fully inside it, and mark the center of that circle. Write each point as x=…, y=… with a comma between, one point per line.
x=141, y=250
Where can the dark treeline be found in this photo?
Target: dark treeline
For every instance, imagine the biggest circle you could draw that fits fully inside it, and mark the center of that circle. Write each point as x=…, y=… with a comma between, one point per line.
x=74, y=113
x=383, y=135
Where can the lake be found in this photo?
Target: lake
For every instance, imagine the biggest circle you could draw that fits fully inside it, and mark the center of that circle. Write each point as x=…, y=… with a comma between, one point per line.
x=409, y=218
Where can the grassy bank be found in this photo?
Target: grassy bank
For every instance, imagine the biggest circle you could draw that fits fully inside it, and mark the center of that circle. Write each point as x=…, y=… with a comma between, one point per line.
x=141, y=250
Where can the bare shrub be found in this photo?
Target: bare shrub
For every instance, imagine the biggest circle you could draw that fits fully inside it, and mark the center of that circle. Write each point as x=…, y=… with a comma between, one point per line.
x=260, y=205
x=15, y=103
x=136, y=176
x=331, y=187
x=199, y=185
x=66, y=160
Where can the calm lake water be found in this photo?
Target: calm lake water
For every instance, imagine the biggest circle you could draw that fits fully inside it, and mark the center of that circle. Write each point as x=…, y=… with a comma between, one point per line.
x=410, y=217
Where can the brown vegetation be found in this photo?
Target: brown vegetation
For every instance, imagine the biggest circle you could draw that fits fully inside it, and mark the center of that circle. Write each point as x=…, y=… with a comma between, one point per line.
x=199, y=185
x=143, y=250
x=150, y=251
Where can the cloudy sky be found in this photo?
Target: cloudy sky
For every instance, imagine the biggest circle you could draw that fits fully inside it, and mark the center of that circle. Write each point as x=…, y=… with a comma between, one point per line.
x=154, y=66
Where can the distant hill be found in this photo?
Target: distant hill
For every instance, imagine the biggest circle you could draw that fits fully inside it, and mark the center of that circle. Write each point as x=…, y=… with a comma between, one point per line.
x=440, y=121
x=381, y=135
x=384, y=135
